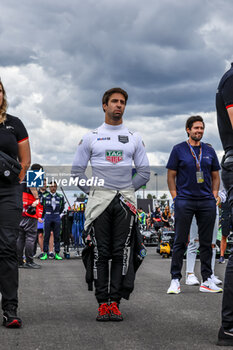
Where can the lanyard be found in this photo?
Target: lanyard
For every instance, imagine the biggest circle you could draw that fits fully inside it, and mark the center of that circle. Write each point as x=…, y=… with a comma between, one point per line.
x=198, y=161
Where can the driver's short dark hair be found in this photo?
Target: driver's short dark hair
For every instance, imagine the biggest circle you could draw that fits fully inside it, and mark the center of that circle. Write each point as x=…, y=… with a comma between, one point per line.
x=109, y=92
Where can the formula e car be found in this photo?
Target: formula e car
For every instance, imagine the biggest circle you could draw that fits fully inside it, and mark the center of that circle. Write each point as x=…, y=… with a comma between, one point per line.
x=149, y=237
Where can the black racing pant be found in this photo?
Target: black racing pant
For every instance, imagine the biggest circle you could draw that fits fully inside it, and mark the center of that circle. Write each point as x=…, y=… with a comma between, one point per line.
x=205, y=212
x=227, y=303
x=10, y=216
x=111, y=232
x=27, y=238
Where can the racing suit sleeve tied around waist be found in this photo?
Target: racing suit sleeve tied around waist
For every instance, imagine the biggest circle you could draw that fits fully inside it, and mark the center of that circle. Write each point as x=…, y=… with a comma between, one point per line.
x=99, y=200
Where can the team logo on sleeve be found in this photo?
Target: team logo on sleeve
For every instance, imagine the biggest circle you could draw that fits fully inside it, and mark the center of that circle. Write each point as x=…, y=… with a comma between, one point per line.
x=114, y=156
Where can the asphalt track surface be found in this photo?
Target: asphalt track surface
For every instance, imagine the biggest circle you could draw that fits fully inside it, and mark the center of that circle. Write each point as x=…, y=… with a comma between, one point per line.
x=59, y=313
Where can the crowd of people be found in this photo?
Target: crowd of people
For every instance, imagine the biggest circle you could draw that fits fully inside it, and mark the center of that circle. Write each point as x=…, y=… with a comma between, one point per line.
x=164, y=218
x=41, y=222
x=157, y=218
x=45, y=223
x=110, y=216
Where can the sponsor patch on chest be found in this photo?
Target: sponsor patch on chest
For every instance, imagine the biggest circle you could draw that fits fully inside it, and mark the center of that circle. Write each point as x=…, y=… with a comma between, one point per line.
x=103, y=138
x=123, y=138
x=114, y=156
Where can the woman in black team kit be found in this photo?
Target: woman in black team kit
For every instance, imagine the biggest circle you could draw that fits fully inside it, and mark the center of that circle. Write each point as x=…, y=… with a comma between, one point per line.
x=14, y=144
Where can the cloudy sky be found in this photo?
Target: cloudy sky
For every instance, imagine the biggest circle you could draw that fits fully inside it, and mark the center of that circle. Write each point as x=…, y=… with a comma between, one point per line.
x=58, y=57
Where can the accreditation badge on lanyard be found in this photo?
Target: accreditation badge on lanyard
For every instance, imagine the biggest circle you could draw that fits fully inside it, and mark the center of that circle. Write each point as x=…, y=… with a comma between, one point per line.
x=199, y=173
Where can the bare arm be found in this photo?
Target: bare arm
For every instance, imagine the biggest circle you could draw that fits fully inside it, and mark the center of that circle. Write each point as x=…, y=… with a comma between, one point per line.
x=36, y=195
x=171, y=181
x=215, y=183
x=230, y=113
x=24, y=155
x=34, y=192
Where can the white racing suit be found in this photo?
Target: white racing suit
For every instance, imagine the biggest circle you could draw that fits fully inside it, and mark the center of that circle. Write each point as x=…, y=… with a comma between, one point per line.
x=111, y=209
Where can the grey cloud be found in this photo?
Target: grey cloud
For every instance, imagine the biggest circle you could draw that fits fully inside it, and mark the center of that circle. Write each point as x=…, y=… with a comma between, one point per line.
x=15, y=56
x=168, y=55
x=14, y=101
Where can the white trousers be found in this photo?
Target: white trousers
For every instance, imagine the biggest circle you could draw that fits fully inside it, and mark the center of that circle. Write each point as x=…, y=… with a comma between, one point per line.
x=194, y=245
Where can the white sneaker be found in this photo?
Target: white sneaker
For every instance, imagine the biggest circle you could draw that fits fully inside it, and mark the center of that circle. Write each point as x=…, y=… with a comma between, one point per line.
x=210, y=287
x=215, y=279
x=174, y=287
x=191, y=280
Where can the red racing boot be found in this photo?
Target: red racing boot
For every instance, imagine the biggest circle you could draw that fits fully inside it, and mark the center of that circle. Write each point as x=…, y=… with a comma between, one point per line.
x=103, y=313
x=115, y=314
x=10, y=319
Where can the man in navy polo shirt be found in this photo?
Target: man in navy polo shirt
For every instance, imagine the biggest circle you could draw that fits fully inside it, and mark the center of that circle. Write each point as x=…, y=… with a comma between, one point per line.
x=224, y=106
x=193, y=181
